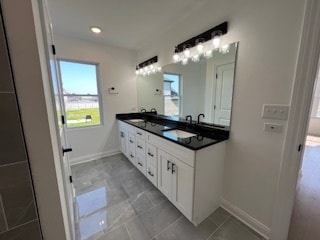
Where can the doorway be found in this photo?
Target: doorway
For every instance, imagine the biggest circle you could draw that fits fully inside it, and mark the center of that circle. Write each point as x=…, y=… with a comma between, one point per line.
x=306, y=212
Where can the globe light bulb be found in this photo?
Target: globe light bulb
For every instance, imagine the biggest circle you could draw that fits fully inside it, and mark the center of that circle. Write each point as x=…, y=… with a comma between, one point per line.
x=176, y=57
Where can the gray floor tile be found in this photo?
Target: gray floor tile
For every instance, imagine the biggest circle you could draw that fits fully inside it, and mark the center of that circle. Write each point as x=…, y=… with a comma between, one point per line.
x=116, y=201
x=180, y=230
x=119, y=233
x=153, y=221
x=219, y=216
x=232, y=229
x=207, y=227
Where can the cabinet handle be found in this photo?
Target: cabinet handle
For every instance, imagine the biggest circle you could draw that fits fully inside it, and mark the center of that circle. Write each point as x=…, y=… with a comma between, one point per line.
x=150, y=154
x=139, y=133
x=139, y=147
x=131, y=156
x=150, y=173
x=131, y=141
x=122, y=134
x=168, y=165
x=140, y=164
x=173, y=168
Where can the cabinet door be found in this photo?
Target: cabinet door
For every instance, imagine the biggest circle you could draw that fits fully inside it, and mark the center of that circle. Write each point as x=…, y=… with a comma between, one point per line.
x=123, y=141
x=182, y=187
x=165, y=173
x=151, y=152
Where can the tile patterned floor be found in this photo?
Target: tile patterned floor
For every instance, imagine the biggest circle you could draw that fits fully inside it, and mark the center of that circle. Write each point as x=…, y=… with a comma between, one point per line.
x=114, y=201
x=306, y=211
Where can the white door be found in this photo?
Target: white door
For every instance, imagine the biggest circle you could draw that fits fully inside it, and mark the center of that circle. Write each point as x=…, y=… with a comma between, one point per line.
x=60, y=113
x=223, y=94
x=164, y=173
x=182, y=187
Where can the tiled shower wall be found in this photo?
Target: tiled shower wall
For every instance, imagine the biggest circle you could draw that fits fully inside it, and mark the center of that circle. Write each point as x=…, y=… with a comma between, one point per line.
x=18, y=214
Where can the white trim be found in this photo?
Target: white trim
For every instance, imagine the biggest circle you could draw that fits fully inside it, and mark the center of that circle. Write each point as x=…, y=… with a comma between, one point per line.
x=245, y=218
x=307, y=66
x=92, y=157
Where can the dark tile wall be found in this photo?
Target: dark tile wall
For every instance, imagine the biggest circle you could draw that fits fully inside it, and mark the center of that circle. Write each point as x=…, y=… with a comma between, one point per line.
x=18, y=214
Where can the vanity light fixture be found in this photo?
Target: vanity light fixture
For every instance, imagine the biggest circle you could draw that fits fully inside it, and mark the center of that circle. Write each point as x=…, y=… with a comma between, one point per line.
x=201, y=45
x=148, y=67
x=96, y=29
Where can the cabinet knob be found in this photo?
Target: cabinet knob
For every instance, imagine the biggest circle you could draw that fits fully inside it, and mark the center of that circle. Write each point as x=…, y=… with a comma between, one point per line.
x=168, y=165
x=150, y=173
x=173, y=168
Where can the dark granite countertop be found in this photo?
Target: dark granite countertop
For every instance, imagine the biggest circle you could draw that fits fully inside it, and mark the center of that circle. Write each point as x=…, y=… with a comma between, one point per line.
x=157, y=125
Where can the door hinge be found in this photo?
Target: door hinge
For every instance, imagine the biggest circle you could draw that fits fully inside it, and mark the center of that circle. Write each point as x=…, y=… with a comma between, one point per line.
x=62, y=119
x=53, y=49
x=70, y=179
x=216, y=75
x=300, y=147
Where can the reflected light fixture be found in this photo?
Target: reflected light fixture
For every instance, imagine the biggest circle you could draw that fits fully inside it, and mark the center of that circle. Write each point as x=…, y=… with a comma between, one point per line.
x=148, y=67
x=201, y=45
x=96, y=29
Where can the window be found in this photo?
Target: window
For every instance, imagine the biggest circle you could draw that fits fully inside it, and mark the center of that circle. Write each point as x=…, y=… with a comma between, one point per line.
x=80, y=93
x=171, y=92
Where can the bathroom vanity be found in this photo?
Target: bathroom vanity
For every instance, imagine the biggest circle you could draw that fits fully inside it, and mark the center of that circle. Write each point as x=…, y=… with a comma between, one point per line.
x=184, y=162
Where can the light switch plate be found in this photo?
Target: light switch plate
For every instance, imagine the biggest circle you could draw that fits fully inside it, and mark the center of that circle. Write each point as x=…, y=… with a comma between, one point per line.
x=275, y=111
x=272, y=127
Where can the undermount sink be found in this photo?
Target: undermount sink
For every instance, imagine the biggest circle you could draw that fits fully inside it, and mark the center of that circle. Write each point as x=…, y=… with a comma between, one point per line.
x=179, y=133
x=136, y=120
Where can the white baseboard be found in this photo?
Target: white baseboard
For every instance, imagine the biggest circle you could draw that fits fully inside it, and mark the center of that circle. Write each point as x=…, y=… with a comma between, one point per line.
x=92, y=157
x=244, y=217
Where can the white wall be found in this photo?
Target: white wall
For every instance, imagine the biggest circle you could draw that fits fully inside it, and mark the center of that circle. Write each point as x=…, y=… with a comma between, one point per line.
x=117, y=69
x=269, y=33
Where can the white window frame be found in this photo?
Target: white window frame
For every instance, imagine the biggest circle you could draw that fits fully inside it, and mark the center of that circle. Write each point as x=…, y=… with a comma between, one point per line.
x=99, y=95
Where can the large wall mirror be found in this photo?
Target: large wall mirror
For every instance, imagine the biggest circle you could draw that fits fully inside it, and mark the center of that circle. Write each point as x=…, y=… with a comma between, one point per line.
x=199, y=87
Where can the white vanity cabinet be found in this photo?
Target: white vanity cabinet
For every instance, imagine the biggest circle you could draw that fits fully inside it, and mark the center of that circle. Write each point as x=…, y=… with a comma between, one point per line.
x=191, y=180
x=175, y=181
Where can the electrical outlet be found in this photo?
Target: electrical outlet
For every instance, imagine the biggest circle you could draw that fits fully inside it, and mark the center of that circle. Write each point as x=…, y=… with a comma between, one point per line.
x=272, y=127
x=275, y=111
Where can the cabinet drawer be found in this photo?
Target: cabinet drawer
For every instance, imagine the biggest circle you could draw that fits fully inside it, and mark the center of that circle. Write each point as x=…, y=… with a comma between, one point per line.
x=140, y=146
x=152, y=174
x=132, y=154
x=131, y=138
x=140, y=133
x=141, y=163
x=151, y=153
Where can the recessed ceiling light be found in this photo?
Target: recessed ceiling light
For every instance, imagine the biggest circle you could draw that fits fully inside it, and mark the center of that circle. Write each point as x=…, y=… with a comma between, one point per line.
x=96, y=29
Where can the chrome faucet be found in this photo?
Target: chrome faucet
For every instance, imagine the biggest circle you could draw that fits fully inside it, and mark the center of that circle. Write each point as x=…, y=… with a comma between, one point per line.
x=189, y=116
x=201, y=114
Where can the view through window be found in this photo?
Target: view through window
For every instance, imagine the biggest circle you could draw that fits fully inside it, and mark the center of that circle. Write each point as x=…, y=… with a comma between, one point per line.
x=171, y=92
x=80, y=93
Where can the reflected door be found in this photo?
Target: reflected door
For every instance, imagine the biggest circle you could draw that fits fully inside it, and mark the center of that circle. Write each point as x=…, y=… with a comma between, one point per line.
x=223, y=94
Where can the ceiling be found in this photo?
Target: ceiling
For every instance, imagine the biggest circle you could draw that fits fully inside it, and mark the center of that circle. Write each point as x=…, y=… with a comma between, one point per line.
x=125, y=23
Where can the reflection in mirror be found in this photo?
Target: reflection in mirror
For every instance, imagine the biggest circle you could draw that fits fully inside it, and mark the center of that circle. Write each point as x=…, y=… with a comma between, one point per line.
x=199, y=87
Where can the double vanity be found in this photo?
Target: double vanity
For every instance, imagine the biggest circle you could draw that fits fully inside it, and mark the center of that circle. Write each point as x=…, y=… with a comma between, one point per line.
x=184, y=161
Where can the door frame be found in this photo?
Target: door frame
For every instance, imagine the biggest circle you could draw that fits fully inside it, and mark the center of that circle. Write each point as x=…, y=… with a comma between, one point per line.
x=302, y=92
